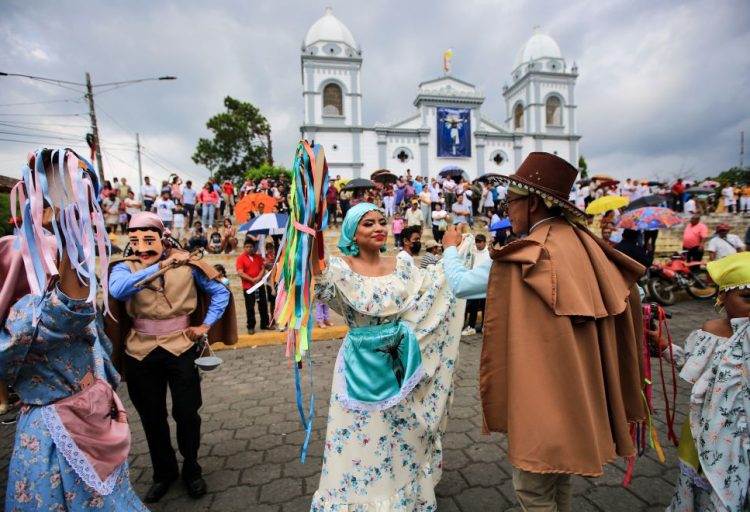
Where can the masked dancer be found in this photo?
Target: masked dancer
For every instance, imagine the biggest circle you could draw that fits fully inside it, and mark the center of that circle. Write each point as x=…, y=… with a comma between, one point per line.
x=159, y=323
x=72, y=435
x=393, y=378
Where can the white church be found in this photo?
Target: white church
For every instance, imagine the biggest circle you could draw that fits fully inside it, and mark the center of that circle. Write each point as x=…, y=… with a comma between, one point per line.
x=448, y=126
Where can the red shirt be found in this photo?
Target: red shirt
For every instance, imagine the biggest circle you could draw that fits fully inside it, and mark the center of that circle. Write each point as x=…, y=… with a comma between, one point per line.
x=678, y=189
x=228, y=189
x=250, y=265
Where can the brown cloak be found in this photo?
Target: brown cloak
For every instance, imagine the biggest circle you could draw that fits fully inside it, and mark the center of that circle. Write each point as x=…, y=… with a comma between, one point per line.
x=224, y=330
x=561, y=366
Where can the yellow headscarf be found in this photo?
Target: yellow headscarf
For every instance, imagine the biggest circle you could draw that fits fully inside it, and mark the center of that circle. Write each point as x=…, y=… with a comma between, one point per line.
x=731, y=272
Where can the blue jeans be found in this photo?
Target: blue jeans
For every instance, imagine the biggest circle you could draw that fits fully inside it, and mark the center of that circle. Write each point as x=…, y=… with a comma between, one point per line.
x=207, y=216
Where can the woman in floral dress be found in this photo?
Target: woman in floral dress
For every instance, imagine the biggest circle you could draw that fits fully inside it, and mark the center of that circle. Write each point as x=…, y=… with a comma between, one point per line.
x=393, y=379
x=715, y=444
x=53, y=347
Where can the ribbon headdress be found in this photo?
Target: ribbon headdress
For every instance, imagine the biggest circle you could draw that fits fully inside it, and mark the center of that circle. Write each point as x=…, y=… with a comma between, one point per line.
x=67, y=183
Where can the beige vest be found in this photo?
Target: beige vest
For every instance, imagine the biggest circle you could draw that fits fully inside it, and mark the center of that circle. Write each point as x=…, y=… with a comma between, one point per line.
x=180, y=297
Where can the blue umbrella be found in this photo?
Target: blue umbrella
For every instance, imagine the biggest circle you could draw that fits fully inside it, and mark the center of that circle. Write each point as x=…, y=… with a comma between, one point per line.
x=262, y=224
x=453, y=171
x=501, y=224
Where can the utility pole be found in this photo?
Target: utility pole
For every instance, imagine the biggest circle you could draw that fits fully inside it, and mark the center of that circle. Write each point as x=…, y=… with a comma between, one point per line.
x=94, y=128
x=140, y=170
x=742, y=149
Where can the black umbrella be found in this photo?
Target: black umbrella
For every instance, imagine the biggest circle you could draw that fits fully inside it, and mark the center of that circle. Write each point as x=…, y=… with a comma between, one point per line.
x=491, y=177
x=452, y=171
x=645, y=201
x=700, y=190
x=359, y=183
x=654, y=183
x=384, y=176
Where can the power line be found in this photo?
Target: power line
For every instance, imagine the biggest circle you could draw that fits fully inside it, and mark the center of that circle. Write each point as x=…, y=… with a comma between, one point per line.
x=67, y=139
x=76, y=100
x=20, y=122
x=42, y=115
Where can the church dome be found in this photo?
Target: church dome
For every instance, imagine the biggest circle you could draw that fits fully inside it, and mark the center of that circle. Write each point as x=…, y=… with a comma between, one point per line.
x=539, y=46
x=331, y=30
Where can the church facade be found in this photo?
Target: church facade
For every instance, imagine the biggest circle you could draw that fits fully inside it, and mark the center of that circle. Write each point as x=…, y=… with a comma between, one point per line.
x=447, y=126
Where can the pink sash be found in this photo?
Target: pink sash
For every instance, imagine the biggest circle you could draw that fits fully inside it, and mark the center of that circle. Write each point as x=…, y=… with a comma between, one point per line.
x=91, y=430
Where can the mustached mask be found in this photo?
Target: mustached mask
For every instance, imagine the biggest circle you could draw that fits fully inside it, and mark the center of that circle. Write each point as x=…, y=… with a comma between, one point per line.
x=145, y=236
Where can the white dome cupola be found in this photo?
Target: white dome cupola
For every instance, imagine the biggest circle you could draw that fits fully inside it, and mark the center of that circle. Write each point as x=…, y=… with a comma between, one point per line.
x=539, y=53
x=329, y=37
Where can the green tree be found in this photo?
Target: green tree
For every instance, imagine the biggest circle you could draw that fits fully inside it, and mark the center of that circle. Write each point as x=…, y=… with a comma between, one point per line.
x=241, y=140
x=5, y=228
x=267, y=170
x=733, y=175
x=584, y=167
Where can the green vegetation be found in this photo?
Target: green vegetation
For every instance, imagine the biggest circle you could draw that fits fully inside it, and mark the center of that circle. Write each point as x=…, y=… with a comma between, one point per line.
x=241, y=141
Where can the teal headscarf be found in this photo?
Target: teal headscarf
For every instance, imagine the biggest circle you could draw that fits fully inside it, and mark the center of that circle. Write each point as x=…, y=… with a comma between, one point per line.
x=349, y=227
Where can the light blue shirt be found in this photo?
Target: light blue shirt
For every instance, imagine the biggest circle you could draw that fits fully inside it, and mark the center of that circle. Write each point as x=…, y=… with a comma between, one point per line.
x=466, y=283
x=188, y=195
x=122, y=286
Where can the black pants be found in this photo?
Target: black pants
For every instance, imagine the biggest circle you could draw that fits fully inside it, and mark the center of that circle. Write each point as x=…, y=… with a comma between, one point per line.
x=437, y=234
x=332, y=213
x=190, y=212
x=260, y=296
x=147, y=386
x=694, y=253
x=473, y=307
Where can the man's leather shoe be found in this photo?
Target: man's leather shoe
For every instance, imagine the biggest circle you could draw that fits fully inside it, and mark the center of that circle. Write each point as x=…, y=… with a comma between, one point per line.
x=157, y=491
x=196, y=487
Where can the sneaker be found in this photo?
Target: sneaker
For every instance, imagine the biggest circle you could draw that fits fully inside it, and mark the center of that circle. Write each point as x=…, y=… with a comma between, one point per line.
x=469, y=331
x=251, y=331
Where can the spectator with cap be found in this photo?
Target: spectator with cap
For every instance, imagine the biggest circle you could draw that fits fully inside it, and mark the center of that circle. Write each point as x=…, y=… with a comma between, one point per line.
x=414, y=215
x=475, y=305
x=723, y=243
x=431, y=254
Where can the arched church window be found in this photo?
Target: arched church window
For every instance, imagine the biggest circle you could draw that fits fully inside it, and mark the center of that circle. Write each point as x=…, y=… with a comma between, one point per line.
x=333, y=103
x=554, y=111
x=518, y=117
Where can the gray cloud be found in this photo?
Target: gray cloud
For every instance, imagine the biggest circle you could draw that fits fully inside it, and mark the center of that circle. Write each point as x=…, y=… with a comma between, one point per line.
x=662, y=85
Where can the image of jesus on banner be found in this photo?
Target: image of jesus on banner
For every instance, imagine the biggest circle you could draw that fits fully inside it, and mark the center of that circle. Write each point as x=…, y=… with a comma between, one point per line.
x=454, y=134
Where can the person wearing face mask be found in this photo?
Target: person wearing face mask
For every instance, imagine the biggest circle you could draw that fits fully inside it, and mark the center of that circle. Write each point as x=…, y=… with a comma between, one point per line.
x=560, y=303
x=393, y=375
x=154, y=332
x=411, y=238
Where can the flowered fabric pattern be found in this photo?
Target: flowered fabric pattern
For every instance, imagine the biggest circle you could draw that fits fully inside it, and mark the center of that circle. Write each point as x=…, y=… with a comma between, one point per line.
x=391, y=459
x=45, y=363
x=719, y=369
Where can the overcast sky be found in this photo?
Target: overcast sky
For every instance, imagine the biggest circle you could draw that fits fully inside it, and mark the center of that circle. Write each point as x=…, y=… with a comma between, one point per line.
x=663, y=86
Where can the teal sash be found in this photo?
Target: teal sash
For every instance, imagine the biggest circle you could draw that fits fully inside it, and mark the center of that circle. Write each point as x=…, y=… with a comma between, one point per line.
x=381, y=365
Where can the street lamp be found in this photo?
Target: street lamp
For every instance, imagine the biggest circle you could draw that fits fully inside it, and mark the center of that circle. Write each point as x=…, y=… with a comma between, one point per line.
x=89, y=95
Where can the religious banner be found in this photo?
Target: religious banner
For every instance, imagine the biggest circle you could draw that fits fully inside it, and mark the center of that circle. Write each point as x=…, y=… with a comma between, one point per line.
x=453, y=132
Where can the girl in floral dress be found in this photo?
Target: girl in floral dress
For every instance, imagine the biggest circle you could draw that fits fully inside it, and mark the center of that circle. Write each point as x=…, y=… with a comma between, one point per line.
x=715, y=444
x=72, y=437
x=393, y=379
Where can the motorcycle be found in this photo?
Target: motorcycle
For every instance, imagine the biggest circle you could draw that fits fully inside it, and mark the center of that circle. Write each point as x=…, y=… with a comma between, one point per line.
x=664, y=279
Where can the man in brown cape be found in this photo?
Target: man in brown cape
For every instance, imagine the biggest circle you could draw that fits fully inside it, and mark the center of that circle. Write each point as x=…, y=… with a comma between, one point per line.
x=561, y=368
x=154, y=342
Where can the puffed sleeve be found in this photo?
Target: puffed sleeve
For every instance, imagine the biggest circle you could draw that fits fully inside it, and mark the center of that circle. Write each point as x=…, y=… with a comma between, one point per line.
x=59, y=317
x=700, y=347
x=325, y=287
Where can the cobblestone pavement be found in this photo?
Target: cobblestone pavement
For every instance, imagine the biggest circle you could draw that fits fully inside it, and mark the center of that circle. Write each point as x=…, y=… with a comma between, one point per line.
x=252, y=437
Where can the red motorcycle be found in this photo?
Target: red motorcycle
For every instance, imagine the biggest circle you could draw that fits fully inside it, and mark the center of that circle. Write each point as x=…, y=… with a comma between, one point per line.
x=664, y=279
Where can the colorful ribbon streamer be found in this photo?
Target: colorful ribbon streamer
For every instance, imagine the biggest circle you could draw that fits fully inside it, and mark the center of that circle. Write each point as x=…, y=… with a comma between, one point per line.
x=296, y=262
